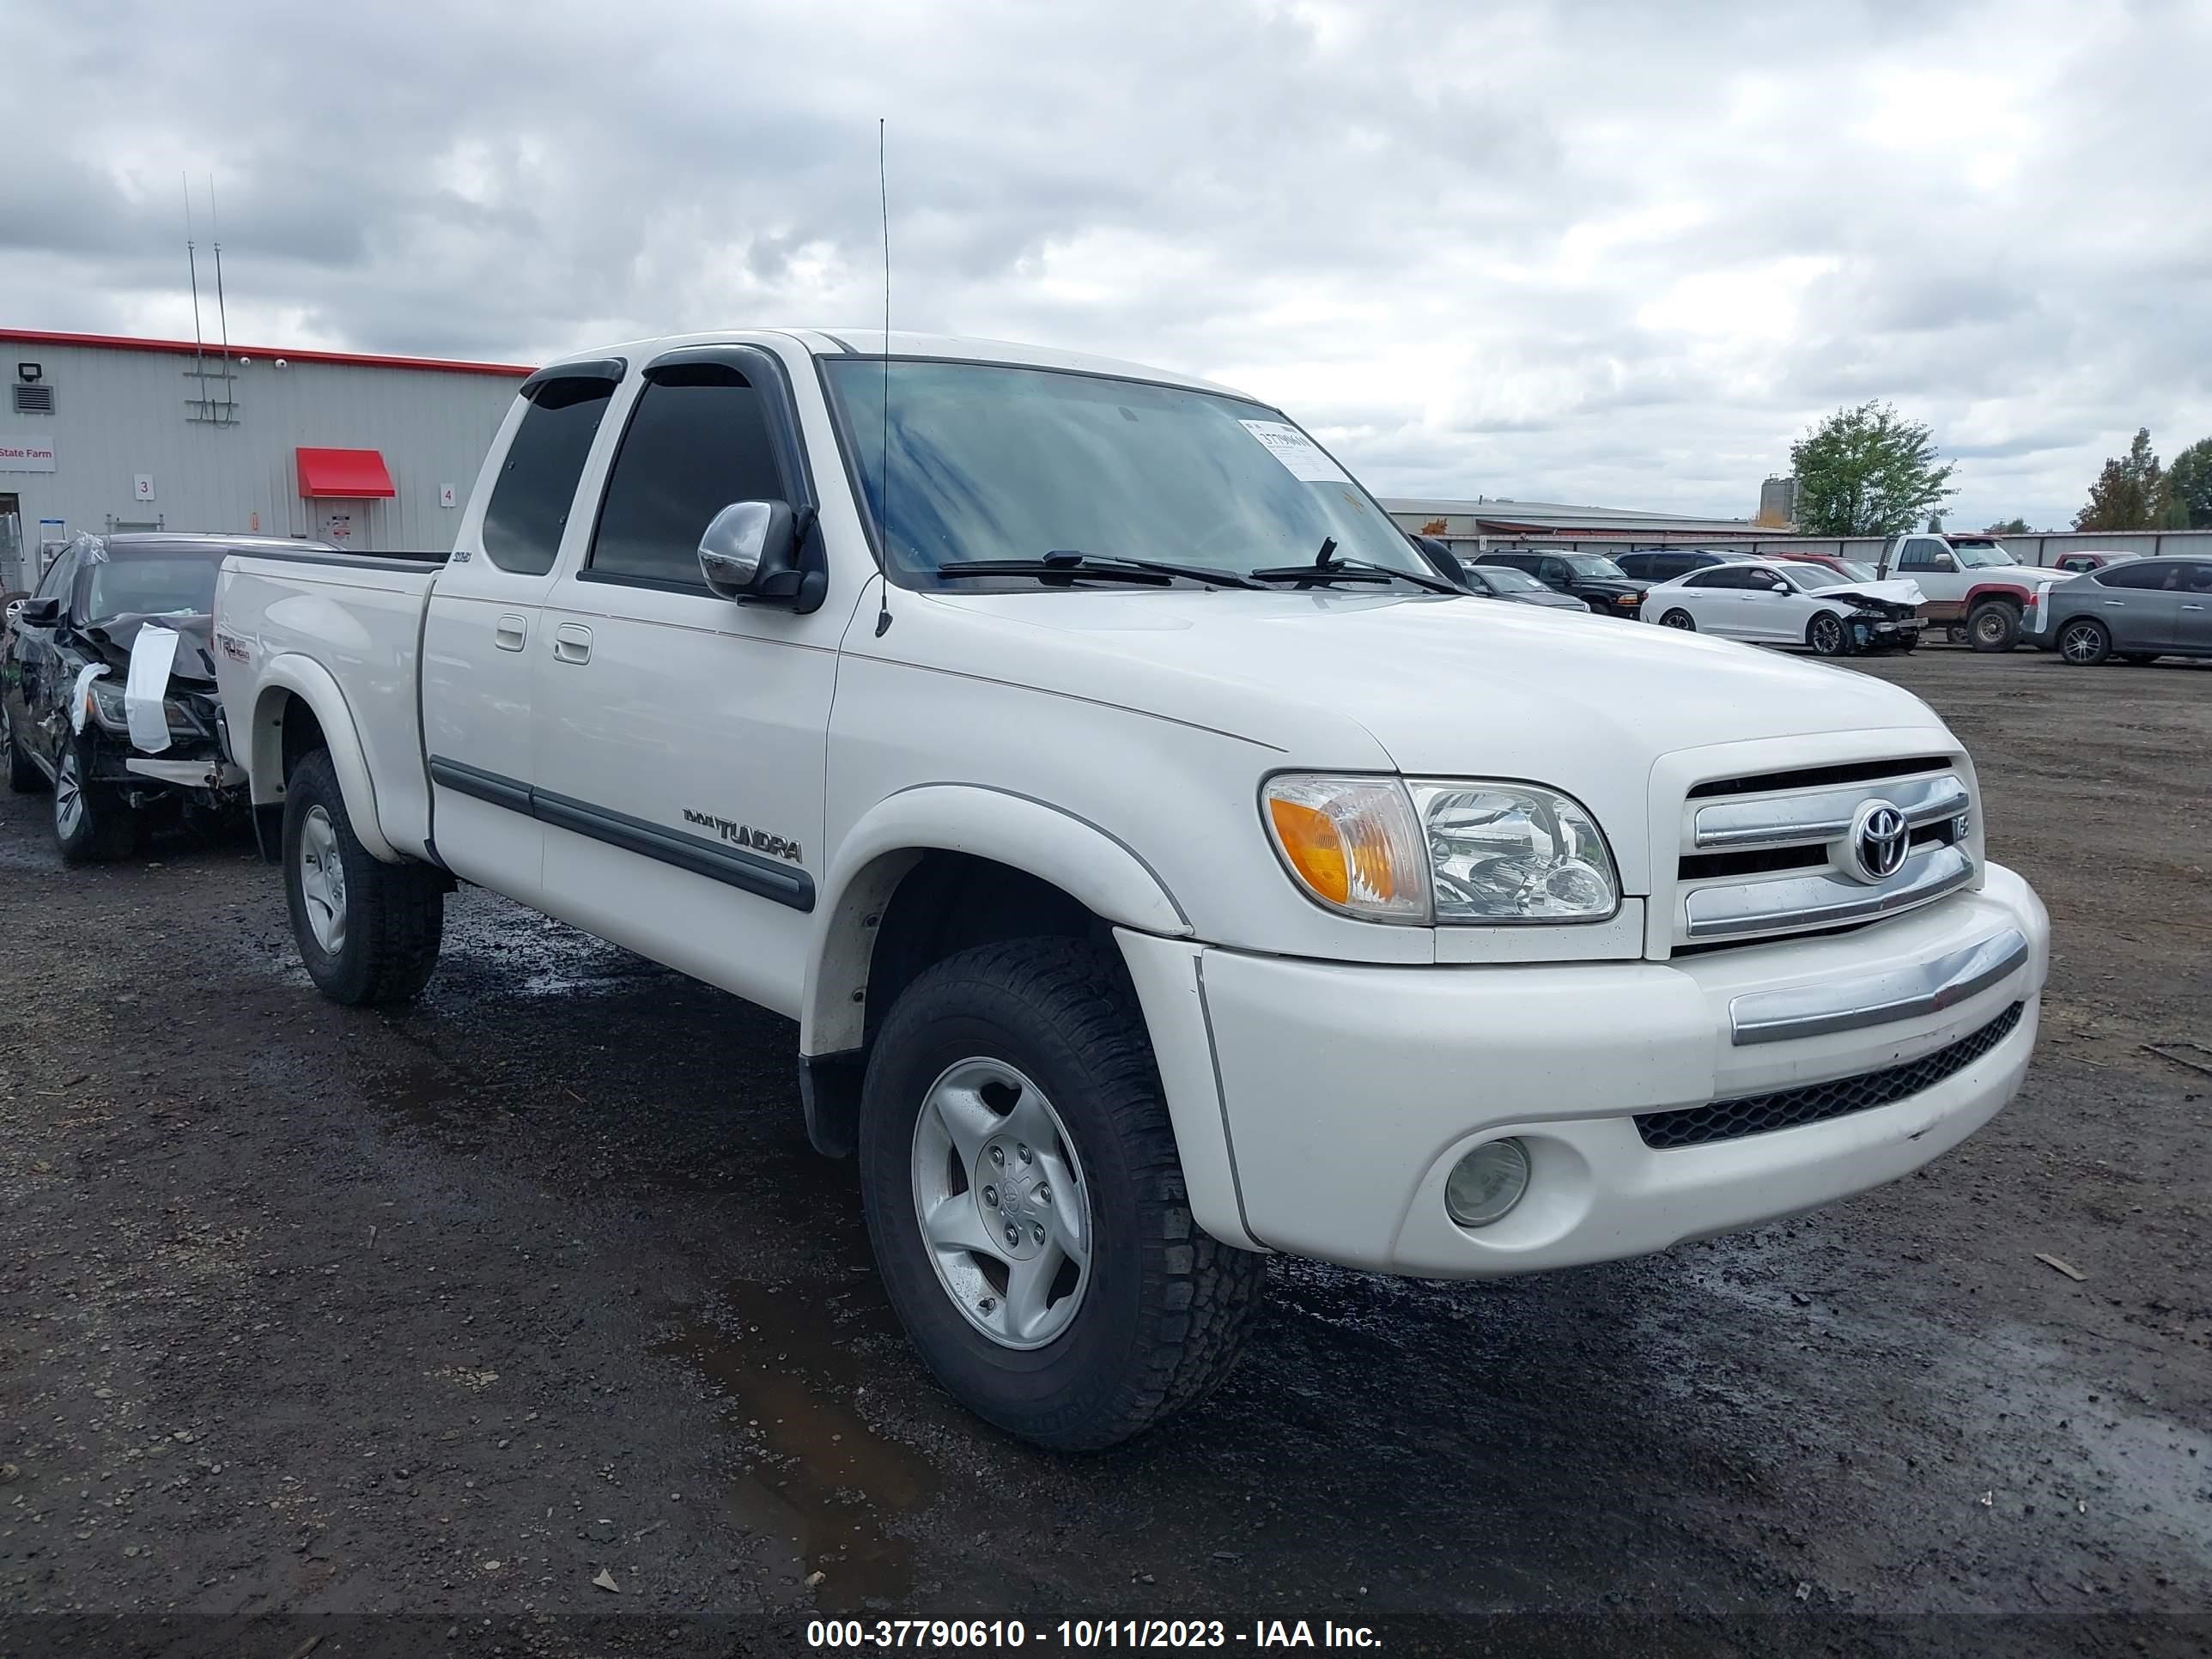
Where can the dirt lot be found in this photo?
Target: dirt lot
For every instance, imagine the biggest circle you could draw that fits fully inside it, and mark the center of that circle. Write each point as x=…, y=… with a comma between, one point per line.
x=391, y=1332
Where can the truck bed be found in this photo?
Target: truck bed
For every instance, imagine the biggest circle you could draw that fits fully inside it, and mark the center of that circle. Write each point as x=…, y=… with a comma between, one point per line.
x=303, y=618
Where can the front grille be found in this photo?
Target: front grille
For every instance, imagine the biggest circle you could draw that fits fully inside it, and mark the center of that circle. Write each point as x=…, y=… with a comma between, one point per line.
x=1791, y=1108
x=1769, y=854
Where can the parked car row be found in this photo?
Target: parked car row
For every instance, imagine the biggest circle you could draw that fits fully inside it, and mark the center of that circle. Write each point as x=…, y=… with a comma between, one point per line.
x=2134, y=609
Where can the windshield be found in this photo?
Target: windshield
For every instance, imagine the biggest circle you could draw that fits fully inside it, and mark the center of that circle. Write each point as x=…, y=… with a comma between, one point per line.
x=1506, y=580
x=1858, y=571
x=993, y=462
x=1595, y=564
x=1976, y=556
x=171, y=585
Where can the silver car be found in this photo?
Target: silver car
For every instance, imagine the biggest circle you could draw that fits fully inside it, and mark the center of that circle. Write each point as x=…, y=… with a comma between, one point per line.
x=2136, y=611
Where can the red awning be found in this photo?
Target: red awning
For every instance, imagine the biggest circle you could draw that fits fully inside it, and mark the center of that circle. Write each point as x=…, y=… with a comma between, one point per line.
x=354, y=474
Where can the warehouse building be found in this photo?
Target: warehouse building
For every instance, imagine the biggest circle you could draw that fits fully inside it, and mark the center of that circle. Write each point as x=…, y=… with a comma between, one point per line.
x=100, y=434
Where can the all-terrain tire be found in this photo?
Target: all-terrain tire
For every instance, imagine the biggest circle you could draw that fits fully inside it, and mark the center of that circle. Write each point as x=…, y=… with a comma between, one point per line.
x=23, y=774
x=92, y=824
x=395, y=914
x=1994, y=626
x=1165, y=1308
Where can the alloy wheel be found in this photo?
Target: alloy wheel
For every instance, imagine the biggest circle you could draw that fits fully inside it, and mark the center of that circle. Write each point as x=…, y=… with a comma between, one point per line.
x=999, y=1196
x=1827, y=635
x=2081, y=643
x=322, y=880
x=69, y=796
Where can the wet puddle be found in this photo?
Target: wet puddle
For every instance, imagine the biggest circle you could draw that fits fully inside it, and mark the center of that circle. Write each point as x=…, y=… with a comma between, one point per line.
x=826, y=1481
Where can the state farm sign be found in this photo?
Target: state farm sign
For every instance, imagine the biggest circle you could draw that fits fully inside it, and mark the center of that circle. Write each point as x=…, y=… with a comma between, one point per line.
x=27, y=454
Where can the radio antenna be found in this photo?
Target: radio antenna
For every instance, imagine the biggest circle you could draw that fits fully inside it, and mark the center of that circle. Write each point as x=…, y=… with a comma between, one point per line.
x=883, y=454
x=215, y=228
x=192, y=267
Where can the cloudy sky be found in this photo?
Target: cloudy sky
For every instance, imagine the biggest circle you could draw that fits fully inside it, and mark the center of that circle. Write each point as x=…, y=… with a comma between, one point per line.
x=1615, y=253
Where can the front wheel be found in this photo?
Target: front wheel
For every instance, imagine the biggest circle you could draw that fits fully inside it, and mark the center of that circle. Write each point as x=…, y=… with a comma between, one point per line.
x=92, y=824
x=2085, y=644
x=368, y=931
x=1026, y=1205
x=1679, y=618
x=1994, y=627
x=1825, y=634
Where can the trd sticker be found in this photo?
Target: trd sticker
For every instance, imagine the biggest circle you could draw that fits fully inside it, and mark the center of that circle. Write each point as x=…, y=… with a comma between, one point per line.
x=739, y=834
x=232, y=647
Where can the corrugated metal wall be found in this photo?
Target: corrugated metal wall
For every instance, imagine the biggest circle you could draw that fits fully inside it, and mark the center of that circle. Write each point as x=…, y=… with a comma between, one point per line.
x=121, y=412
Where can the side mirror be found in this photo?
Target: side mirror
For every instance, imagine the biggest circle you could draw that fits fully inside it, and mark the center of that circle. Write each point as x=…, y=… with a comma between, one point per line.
x=1945, y=563
x=750, y=553
x=37, y=613
x=1778, y=587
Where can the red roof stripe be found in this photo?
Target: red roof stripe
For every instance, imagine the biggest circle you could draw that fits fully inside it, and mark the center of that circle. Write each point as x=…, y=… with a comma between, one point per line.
x=356, y=359
x=351, y=474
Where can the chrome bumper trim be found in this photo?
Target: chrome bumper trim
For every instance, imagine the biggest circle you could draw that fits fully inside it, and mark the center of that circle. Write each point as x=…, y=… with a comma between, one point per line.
x=1850, y=1005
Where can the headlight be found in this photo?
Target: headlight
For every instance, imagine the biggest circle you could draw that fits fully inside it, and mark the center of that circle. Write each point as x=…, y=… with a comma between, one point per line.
x=1433, y=850
x=104, y=699
x=1513, y=852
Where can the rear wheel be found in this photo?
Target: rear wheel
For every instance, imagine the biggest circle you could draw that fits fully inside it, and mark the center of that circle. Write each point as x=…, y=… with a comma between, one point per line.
x=2084, y=643
x=1825, y=634
x=1955, y=633
x=368, y=931
x=1679, y=618
x=91, y=824
x=23, y=774
x=1026, y=1203
x=1994, y=626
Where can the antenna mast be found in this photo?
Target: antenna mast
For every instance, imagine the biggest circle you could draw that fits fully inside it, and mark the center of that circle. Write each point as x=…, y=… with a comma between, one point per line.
x=215, y=226
x=883, y=594
x=192, y=266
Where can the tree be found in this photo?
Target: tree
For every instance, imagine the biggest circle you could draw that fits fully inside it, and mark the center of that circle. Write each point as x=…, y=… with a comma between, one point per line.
x=2008, y=528
x=2189, y=486
x=2130, y=494
x=1868, y=471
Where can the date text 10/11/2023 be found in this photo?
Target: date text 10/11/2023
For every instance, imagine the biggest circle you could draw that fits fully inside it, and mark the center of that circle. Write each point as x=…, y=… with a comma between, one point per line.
x=1084, y=1634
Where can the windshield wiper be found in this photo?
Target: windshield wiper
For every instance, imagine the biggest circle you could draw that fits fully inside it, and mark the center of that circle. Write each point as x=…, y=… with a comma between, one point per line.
x=1148, y=573
x=1326, y=568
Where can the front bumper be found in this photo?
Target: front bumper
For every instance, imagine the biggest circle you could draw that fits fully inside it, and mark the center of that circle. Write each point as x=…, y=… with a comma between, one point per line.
x=1320, y=1106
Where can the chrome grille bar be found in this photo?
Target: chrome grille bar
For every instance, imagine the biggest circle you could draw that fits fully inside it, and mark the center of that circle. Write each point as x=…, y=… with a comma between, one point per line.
x=1794, y=903
x=1778, y=821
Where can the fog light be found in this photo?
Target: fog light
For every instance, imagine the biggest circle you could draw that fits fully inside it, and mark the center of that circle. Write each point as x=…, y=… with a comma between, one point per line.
x=1486, y=1183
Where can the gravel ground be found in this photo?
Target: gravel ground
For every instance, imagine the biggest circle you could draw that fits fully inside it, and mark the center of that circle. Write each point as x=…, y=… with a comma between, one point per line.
x=333, y=1331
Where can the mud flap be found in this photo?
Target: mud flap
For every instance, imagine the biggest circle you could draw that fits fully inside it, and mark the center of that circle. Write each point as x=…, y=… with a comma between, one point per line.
x=829, y=1093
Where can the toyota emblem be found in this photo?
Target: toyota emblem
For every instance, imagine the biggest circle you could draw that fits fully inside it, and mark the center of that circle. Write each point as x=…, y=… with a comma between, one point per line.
x=1880, y=840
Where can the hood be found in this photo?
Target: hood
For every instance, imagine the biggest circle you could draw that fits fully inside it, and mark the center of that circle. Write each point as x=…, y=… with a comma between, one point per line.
x=1898, y=590
x=1426, y=685
x=194, y=666
x=1550, y=598
x=1609, y=584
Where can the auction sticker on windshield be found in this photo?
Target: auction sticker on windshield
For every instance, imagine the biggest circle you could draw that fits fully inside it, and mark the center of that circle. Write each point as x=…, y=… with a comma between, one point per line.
x=1295, y=451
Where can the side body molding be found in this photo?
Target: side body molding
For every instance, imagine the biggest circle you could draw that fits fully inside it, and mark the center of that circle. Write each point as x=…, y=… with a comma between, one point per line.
x=309, y=681
x=1080, y=858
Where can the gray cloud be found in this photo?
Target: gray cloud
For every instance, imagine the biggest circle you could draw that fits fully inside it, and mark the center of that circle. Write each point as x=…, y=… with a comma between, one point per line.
x=1582, y=251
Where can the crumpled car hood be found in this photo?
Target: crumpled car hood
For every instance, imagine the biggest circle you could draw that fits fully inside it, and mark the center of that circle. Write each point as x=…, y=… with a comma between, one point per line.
x=193, y=668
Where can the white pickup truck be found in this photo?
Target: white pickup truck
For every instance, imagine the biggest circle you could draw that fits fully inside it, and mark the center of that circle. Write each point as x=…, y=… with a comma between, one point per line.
x=1163, y=865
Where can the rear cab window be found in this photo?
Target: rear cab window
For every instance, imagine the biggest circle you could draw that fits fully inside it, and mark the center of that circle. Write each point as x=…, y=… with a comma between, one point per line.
x=531, y=500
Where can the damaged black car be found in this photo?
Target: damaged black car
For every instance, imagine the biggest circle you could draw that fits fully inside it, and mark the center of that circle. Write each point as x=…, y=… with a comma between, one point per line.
x=107, y=691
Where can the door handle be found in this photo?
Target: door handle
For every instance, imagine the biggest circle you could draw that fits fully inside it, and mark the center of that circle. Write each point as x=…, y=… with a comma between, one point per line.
x=572, y=642
x=508, y=633
x=2192, y=607
x=2116, y=604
